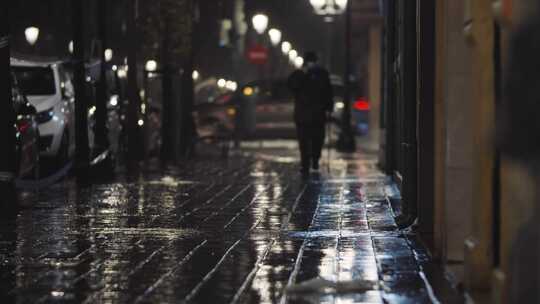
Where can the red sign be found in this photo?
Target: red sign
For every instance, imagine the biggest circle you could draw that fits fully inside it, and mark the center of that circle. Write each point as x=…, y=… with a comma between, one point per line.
x=257, y=54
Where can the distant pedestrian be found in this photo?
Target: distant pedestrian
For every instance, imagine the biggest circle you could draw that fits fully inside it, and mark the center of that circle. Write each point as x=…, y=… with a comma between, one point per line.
x=313, y=103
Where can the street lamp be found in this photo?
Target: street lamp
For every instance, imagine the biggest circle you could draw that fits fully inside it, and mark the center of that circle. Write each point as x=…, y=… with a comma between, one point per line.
x=108, y=55
x=318, y=4
x=222, y=83
x=70, y=47
x=31, y=34
x=195, y=75
x=292, y=55
x=260, y=23
x=151, y=66
x=286, y=47
x=231, y=85
x=329, y=7
x=298, y=62
x=122, y=73
x=342, y=4
x=275, y=36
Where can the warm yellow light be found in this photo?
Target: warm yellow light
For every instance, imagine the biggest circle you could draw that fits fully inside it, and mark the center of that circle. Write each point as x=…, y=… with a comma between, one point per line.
x=248, y=91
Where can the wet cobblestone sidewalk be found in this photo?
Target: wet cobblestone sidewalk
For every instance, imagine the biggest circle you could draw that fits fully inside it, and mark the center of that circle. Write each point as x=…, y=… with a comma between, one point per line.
x=237, y=231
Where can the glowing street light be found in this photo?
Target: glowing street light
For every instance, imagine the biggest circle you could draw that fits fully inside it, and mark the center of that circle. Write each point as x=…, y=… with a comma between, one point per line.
x=231, y=85
x=260, y=23
x=275, y=36
x=108, y=55
x=318, y=4
x=151, y=66
x=292, y=55
x=342, y=4
x=286, y=47
x=31, y=34
x=329, y=7
x=70, y=47
x=195, y=75
x=298, y=62
x=222, y=83
x=122, y=73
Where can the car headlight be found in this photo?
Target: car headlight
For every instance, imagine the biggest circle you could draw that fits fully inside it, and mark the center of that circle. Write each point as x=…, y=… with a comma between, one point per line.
x=45, y=116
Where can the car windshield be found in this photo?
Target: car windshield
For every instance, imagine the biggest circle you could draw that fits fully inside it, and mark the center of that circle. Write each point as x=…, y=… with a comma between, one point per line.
x=35, y=80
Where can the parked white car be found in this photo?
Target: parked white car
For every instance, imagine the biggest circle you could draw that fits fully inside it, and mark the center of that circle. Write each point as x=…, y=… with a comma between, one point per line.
x=49, y=89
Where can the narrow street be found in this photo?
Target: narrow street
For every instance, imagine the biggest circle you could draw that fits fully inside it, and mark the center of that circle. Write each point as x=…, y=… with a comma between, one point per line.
x=241, y=230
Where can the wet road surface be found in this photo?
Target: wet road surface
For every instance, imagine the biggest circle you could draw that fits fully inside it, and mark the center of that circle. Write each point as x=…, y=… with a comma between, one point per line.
x=243, y=230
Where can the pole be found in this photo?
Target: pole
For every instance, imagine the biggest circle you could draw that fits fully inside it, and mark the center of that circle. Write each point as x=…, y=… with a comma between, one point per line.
x=346, y=142
x=81, y=106
x=187, y=130
x=146, y=131
x=7, y=116
x=169, y=131
x=329, y=40
x=102, y=141
x=187, y=125
x=132, y=88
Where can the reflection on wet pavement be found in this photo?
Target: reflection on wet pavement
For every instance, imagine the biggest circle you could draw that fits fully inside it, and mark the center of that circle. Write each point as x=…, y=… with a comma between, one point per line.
x=237, y=231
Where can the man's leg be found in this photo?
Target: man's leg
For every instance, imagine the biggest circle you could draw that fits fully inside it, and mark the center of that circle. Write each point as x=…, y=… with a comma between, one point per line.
x=318, y=135
x=304, y=143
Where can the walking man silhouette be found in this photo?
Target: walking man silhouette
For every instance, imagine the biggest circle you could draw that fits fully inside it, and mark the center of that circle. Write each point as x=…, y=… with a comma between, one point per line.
x=313, y=102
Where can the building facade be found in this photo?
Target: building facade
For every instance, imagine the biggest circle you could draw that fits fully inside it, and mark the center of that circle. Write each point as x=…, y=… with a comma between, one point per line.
x=443, y=66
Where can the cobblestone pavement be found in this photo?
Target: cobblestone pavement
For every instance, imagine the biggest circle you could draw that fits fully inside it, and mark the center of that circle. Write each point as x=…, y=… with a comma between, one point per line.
x=243, y=230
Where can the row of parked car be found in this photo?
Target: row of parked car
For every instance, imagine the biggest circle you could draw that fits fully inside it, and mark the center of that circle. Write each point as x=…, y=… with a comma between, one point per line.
x=264, y=109
x=43, y=98
x=44, y=101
